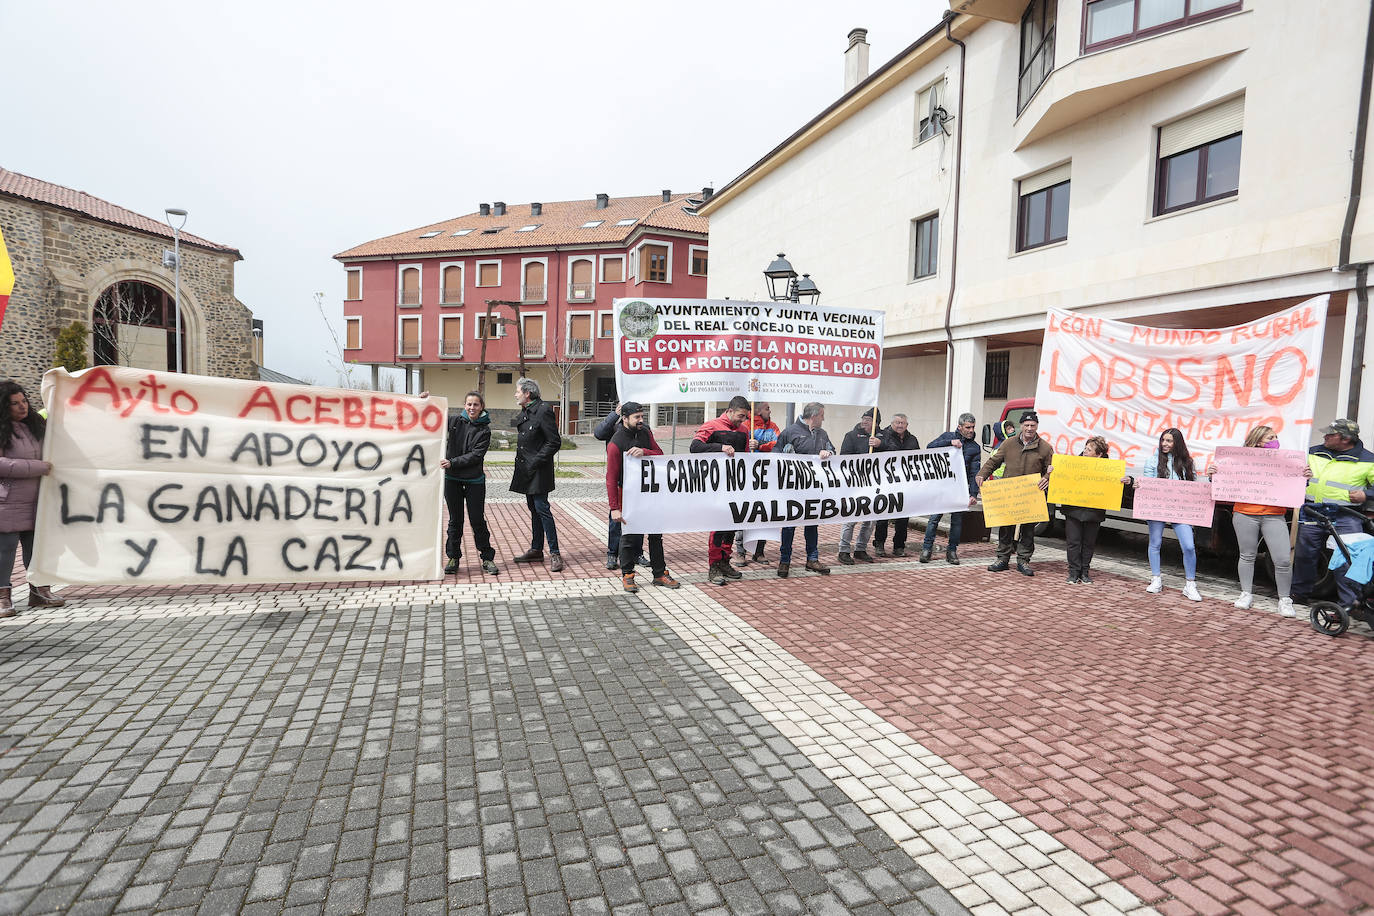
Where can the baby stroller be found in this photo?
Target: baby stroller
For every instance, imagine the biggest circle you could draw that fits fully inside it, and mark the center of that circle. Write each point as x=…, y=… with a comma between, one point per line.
x=1332, y=617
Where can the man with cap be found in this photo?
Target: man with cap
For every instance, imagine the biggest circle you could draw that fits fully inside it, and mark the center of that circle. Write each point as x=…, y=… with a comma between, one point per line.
x=1025, y=453
x=632, y=437
x=858, y=441
x=1342, y=475
x=727, y=433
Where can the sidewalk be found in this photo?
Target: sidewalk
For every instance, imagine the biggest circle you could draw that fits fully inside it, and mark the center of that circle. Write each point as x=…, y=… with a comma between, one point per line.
x=895, y=738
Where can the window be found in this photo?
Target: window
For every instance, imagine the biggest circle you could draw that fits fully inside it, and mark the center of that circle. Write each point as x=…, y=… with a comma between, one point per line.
x=490, y=331
x=492, y=231
x=355, y=283
x=409, y=283
x=1114, y=22
x=655, y=262
x=529, y=228
x=1043, y=212
x=353, y=333
x=627, y=222
x=926, y=246
x=451, y=284
x=592, y=223
x=409, y=343
x=607, y=326
x=532, y=288
x=995, y=375
x=532, y=327
x=613, y=269
x=431, y=234
x=451, y=335
x=461, y=232
x=698, y=255
x=1199, y=157
x=579, y=334
x=580, y=286
x=1037, y=49
x=927, y=121
x=488, y=273
x=505, y=378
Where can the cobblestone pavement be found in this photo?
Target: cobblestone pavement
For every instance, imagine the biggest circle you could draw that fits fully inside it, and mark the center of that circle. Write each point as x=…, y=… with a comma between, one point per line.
x=901, y=738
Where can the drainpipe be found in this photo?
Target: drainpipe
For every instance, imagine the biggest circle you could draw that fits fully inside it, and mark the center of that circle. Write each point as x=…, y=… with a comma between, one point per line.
x=1348, y=229
x=954, y=229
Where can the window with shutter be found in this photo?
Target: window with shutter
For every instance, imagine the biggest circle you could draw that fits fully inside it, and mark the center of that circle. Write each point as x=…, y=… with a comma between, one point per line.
x=410, y=337
x=580, y=287
x=1043, y=209
x=353, y=334
x=489, y=273
x=533, y=288
x=613, y=270
x=355, y=283
x=451, y=335
x=410, y=286
x=1199, y=157
x=452, y=291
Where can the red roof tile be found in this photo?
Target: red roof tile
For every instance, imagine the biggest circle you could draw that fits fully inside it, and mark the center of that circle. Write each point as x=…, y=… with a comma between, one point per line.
x=14, y=184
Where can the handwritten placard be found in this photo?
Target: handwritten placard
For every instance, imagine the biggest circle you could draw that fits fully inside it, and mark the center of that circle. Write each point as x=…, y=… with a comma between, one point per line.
x=1186, y=502
x=1093, y=483
x=1014, y=501
x=1263, y=476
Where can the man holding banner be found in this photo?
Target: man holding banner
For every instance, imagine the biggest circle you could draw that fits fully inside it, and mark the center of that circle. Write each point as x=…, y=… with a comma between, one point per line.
x=1025, y=454
x=805, y=437
x=632, y=437
x=726, y=433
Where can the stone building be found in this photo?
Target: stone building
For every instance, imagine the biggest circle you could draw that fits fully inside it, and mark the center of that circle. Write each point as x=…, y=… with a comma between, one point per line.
x=80, y=258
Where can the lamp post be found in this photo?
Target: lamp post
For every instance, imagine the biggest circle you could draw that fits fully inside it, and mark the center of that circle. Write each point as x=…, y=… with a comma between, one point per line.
x=783, y=286
x=176, y=282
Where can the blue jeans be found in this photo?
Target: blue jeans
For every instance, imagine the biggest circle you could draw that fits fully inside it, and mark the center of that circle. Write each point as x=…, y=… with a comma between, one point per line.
x=541, y=522
x=956, y=527
x=1306, y=568
x=1185, y=540
x=812, y=536
x=612, y=536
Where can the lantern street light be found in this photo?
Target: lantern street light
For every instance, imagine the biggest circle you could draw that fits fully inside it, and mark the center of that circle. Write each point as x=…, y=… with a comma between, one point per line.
x=783, y=285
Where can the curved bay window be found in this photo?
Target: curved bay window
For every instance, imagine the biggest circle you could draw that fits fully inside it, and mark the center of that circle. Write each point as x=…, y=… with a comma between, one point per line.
x=135, y=325
x=1037, y=49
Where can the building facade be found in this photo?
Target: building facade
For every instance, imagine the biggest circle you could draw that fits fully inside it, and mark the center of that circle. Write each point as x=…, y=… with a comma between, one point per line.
x=1175, y=163
x=79, y=258
x=443, y=300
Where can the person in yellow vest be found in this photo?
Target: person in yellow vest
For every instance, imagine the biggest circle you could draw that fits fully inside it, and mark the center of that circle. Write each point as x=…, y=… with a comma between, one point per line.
x=1342, y=475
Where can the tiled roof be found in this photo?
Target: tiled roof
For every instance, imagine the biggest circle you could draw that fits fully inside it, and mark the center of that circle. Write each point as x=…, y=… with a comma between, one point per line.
x=269, y=375
x=14, y=184
x=560, y=223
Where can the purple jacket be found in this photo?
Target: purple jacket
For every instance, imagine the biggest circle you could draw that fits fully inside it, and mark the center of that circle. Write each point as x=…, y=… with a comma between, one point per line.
x=21, y=467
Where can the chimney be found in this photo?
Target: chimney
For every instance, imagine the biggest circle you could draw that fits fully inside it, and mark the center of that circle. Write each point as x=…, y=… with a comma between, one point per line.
x=706, y=194
x=498, y=208
x=536, y=209
x=603, y=201
x=667, y=195
x=856, y=59
x=484, y=209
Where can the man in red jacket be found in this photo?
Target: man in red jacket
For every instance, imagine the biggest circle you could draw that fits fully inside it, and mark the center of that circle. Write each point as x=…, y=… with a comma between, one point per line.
x=632, y=437
x=728, y=433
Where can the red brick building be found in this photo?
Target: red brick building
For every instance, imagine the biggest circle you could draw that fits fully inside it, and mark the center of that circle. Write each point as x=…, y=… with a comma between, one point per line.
x=418, y=299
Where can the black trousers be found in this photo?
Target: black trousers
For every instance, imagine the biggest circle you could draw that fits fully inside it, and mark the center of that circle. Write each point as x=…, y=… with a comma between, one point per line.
x=630, y=547
x=1007, y=539
x=898, y=536
x=458, y=494
x=1081, y=539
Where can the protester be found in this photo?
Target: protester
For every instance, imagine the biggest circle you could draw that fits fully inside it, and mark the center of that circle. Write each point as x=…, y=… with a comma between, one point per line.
x=727, y=433
x=604, y=431
x=805, y=437
x=765, y=436
x=1342, y=475
x=1023, y=454
x=465, y=482
x=21, y=466
x=633, y=437
x=1083, y=524
x=896, y=438
x=859, y=441
x=961, y=437
x=1253, y=521
x=1171, y=461
x=537, y=442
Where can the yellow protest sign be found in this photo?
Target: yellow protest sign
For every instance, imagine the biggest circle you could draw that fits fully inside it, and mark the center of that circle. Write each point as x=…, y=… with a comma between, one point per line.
x=1094, y=483
x=6, y=277
x=1014, y=501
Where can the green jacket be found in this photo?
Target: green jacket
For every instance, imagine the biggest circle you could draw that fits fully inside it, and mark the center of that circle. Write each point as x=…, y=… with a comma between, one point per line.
x=1353, y=468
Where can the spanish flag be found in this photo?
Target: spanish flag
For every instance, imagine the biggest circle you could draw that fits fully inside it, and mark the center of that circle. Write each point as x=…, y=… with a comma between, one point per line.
x=6, y=277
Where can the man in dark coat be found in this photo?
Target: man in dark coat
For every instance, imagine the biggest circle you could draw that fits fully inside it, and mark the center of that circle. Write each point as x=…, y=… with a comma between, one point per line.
x=537, y=442
x=805, y=437
x=634, y=438
x=727, y=433
x=896, y=438
x=972, y=453
x=465, y=482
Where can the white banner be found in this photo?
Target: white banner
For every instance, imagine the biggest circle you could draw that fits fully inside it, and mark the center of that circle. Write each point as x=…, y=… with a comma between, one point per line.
x=682, y=350
x=160, y=478
x=1129, y=383
x=701, y=492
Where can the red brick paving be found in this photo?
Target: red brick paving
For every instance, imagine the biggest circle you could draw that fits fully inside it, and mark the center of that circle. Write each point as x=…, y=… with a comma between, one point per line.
x=1213, y=760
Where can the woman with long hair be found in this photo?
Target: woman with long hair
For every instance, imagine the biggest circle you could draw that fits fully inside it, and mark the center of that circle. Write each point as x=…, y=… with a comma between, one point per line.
x=1252, y=522
x=1172, y=462
x=465, y=482
x=21, y=466
x=1082, y=525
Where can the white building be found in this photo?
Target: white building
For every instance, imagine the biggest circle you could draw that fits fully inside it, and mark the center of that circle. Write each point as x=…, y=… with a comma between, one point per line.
x=1208, y=145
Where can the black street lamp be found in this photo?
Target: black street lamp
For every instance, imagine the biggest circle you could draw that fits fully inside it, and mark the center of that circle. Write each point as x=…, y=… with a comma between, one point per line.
x=783, y=285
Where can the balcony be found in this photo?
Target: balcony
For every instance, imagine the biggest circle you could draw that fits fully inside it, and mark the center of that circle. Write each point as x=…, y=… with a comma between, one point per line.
x=408, y=349
x=533, y=347
x=581, y=292
x=532, y=293
x=451, y=295
x=410, y=297
x=451, y=346
x=580, y=347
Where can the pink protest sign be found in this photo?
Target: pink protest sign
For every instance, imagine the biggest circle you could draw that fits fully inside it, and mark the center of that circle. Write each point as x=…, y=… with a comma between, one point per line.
x=1264, y=476
x=1187, y=502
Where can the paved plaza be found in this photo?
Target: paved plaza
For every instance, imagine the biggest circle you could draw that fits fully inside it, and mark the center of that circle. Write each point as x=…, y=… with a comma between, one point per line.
x=900, y=738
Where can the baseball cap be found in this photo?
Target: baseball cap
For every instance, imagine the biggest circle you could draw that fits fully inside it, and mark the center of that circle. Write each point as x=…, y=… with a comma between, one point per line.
x=631, y=407
x=1348, y=428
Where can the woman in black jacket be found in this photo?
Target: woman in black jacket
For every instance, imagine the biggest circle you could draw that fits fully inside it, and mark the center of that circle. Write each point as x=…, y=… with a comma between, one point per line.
x=465, y=482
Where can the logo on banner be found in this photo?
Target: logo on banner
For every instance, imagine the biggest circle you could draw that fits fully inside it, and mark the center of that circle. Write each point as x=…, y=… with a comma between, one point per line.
x=639, y=321
x=754, y=383
x=682, y=384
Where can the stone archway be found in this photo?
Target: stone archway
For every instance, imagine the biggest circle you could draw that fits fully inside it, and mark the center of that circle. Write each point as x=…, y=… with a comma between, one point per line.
x=143, y=308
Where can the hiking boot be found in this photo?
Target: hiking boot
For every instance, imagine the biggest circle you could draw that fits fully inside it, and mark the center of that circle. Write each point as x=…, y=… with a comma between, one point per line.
x=666, y=580
x=879, y=550
x=730, y=571
x=627, y=582
x=999, y=566
x=451, y=566
x=758, y=554
x=784, y=570
x=743, y=558
x=557, y=564
x=642, y=560
x=489, y=567
x=844, y=558
x=716, y=576
x=612, y=561
x=899, y=552
x=1024, y=568
x=530, y=556
x=816, y=566
x=925, y=554
x=7, y=606
x=951, y=556
x=42, y=596
x=862, y=556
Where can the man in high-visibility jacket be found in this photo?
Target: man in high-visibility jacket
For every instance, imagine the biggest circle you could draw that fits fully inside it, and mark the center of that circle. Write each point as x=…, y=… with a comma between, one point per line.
x=1342, y=475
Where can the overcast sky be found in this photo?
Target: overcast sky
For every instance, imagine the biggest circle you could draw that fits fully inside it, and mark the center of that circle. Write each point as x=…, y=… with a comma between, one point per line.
x=293, y=130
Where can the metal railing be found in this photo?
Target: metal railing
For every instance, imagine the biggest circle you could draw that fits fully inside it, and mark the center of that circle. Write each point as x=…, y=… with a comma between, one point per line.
x=579, y=346
x=532, y=293
x=581, y=292
x=451, y=346
x=410, y=297
x=533, y=348
x=408, y=349
x=452, y=295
